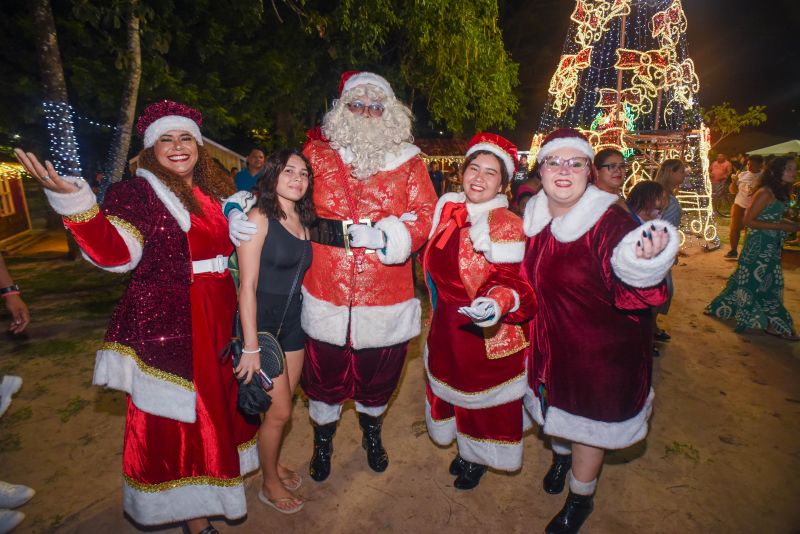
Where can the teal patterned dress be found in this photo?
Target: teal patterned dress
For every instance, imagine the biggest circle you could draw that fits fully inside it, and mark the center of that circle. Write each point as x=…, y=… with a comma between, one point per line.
x=754, y=294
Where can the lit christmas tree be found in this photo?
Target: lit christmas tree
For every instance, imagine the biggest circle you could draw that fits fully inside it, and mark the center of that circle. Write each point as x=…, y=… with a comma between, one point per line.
x=626, y=80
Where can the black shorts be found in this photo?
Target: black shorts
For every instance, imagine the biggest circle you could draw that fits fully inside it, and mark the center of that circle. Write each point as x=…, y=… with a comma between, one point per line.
x=269, y=310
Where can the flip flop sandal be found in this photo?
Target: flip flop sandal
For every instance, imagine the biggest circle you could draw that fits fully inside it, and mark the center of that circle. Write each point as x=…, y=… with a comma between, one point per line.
x=292, y=482
x=274, y=503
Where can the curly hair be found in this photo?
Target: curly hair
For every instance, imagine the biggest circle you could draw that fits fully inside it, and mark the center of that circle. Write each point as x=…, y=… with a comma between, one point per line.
x=211, y=180
x=266, y=187
x=772, y=177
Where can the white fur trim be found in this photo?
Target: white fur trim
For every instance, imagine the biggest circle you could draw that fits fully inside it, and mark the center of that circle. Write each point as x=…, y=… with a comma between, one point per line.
x=323, y=413
x=527, y=420
x=115, y=370
x=565, y=142
x=560, y=446
x=479, y=233
x=168, y=198
x=531, y=403
x=248, y=459
x=368, y=78
x=600, y=434
x=372, y=411
x=171, y=122
x=134, y=249
x=384, y=326
x=398, y=241
x=581, y=488
x=324, y=321
x=494, y=319
x=640, y=272
x=505, y=252
x=575, y=223
x=441, y=431
x=244, y=199
x=391, y=160
x=504, y=156
x=505, y=456
x=184, y=502
x=72, y=203
x=501, y=394
x=513, y=292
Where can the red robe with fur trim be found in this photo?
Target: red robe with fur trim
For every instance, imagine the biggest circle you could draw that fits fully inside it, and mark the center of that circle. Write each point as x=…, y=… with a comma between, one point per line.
x=592, y=336
x=469, y=366
x=376, y=303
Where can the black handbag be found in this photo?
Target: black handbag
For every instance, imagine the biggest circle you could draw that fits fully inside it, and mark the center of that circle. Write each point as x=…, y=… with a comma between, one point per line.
x=253, y=398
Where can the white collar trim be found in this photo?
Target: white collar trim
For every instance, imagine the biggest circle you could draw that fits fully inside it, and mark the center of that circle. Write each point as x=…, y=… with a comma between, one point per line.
x=575, y=223
x=168, y=198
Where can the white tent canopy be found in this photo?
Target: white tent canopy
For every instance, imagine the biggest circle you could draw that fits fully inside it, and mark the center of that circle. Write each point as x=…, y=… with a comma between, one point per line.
x=788, y=147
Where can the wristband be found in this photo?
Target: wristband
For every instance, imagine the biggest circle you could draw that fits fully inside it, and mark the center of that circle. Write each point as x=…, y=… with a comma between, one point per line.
x=13, y=289
x=256, y=351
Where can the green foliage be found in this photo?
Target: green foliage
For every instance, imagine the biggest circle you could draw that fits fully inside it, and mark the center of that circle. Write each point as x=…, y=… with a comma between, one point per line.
x=724, y=120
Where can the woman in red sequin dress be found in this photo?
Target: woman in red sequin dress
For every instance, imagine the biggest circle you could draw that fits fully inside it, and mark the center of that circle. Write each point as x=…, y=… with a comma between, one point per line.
x=186, y=445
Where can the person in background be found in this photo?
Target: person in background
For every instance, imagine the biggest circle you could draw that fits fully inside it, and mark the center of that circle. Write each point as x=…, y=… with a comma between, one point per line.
x=522, y=171
x=610, y=166
x=246, y=179
x=453, y=179
x=437, y=177
x=753, y=295
x=744, y=186
x=720, y=171
x=595, y=274
x=12, y=495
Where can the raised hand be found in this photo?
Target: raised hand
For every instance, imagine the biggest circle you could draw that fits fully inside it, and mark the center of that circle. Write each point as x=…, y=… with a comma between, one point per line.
x=45, y=174
x=652, y=242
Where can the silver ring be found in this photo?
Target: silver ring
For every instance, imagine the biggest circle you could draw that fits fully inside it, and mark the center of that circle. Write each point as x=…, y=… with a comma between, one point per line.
x=46, y=176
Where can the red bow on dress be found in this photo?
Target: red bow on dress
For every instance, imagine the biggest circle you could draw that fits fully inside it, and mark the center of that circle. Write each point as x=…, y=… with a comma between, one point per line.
x=456, y=215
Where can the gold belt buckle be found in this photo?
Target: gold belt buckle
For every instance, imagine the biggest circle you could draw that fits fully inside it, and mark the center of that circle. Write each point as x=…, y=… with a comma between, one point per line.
x=346, y=237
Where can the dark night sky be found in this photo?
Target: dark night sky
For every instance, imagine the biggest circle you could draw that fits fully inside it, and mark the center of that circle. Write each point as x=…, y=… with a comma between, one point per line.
x=742, y=49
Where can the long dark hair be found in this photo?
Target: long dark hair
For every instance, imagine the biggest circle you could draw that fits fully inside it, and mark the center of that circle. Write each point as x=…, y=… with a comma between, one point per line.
x=772, y=177
x=601, y=157
x=211, y=180
x=645, y=195
x=267, y=197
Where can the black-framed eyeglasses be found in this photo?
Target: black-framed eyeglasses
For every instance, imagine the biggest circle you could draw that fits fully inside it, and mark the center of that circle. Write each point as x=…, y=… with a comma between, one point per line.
x=614, y=166
x=374, y=109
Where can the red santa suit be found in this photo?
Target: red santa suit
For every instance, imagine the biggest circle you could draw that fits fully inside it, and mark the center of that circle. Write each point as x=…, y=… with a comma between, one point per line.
x=591, y=363
x=186, y=445
x=359, y=310
x=477, y=373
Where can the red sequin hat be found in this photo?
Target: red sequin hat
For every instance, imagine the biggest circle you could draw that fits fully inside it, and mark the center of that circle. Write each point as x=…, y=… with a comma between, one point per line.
x=354, y=78
x=497, y=145
x=564, y=137
x=167, y=115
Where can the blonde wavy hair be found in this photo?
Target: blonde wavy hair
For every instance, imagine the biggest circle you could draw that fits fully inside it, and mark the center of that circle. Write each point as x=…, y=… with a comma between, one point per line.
x=368, y=138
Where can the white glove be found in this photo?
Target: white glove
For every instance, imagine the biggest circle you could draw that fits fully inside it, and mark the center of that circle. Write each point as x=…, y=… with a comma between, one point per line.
x=409, y=216
x=482, y=311
x=365, y=236
x=239, y=228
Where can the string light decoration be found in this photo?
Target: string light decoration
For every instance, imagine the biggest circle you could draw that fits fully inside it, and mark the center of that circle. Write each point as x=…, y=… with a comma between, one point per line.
x=626, y=81
x=63, y=145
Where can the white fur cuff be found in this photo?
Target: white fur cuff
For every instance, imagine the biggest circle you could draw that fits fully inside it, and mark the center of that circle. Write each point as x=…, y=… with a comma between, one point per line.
x=640, y=272
x=372, y=411
x=398, y=241
x=323, y=413
x=66, y=204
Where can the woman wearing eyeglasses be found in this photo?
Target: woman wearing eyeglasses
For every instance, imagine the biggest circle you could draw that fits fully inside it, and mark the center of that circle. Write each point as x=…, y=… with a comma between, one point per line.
x=595, y=274
x=610, y=166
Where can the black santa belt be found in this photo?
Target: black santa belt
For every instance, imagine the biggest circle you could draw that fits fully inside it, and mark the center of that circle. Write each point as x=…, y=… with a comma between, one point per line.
x=333, y=233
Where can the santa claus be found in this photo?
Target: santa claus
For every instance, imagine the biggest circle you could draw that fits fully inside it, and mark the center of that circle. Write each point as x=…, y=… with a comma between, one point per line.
x=375, y=203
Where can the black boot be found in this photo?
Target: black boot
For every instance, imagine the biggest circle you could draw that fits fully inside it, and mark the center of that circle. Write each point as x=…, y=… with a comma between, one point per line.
x=320, y=466
x=571, y=517
x=557, y=474
x=377, y=458
x=457, y=465
x=470, y=475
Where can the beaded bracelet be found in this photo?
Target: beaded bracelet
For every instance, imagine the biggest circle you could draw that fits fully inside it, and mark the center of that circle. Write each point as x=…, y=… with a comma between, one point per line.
x=245, y=351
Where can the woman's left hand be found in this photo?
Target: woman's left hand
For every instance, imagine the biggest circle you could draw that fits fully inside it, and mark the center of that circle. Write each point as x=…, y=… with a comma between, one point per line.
x=653, y=241
x=45, y=174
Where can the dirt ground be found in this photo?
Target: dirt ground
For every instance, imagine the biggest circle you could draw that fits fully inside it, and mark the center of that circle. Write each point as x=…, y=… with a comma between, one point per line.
x=723, y=453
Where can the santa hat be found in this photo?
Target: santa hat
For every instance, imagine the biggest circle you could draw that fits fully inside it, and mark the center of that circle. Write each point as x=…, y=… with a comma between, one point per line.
x=354, y=78
x=497, y=145
x=564, y=138
x=167, y=115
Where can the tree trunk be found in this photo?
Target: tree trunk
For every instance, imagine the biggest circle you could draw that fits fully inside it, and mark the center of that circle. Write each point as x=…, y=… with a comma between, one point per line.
x=118, y=155
x=63, y=147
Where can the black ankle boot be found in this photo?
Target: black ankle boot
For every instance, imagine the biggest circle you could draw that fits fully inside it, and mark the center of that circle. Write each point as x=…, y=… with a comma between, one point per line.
x=470, y=475
x=557, y=474
x=457, y=465
x=571, y=517
x=377, y=458
x=320, y=466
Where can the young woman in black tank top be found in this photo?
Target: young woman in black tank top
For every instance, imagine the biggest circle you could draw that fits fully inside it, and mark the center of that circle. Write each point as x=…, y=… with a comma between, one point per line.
x=268, y=264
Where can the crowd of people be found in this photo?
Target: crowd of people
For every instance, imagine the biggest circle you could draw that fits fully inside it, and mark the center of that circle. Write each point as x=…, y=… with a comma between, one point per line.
x=543, y=309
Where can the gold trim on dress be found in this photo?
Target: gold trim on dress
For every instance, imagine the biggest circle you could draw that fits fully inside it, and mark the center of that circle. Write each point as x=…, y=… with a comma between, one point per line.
x=183, y=482
x=125, y=225
x=143, y=367
x=83, y=216
x=476, y=393
x=247, y=444
x=487, y=440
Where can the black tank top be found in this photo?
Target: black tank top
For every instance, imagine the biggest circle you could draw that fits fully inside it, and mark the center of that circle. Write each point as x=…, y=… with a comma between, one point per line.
x=280, y=256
